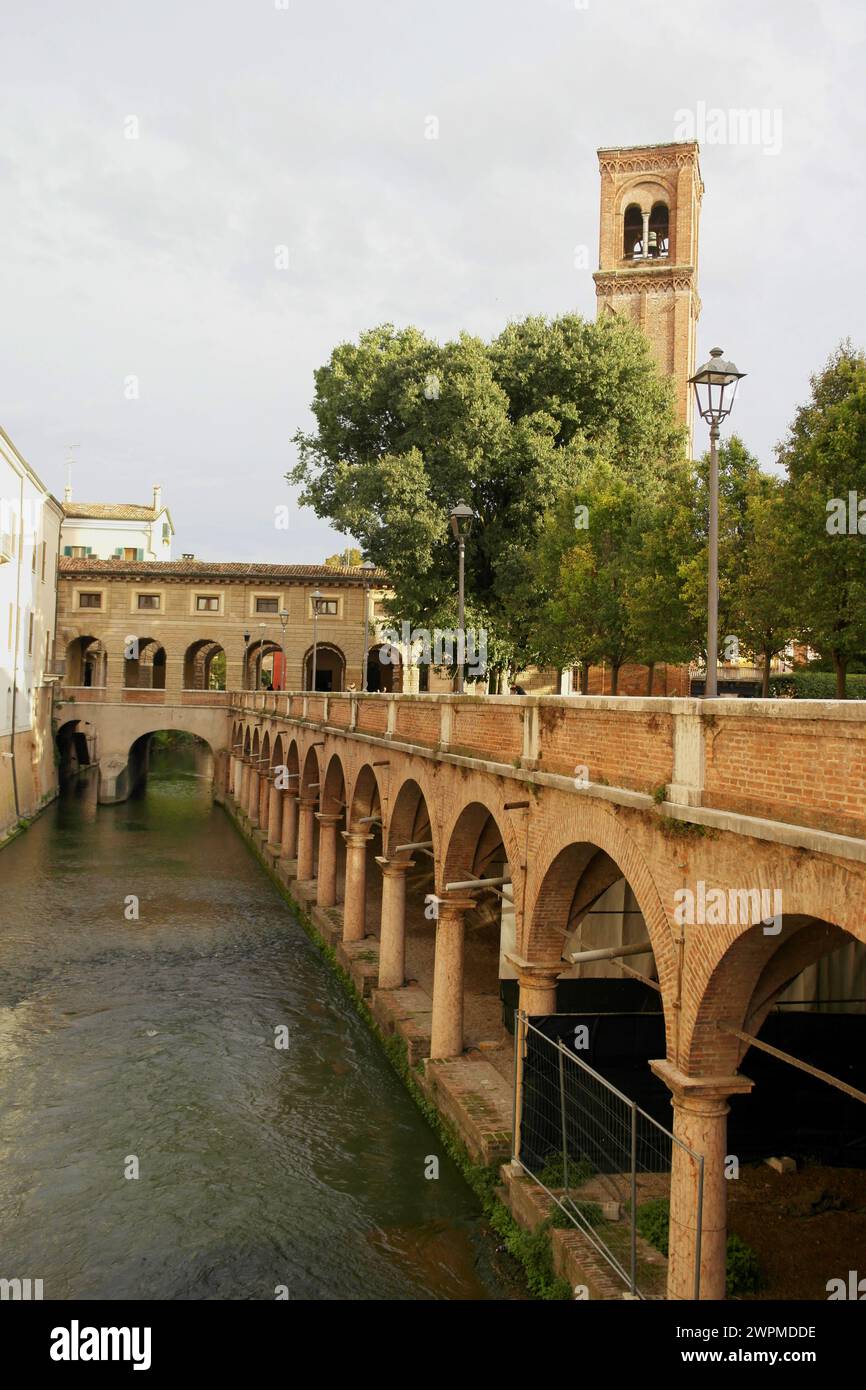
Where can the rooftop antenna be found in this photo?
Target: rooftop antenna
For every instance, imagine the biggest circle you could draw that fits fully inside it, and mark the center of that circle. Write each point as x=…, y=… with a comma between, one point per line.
x=67, y=491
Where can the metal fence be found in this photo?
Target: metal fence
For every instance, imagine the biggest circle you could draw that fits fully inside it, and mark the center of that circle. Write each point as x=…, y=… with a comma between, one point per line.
x=603, y=1160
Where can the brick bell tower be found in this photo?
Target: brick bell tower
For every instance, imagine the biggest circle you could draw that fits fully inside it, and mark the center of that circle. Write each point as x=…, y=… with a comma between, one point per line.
x=648, y=252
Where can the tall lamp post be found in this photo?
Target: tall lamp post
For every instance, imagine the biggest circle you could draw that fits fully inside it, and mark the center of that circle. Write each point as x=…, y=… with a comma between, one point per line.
x=317, y=595
x=284, y=618
x=715, y=386
x=368, y=567
x=461, y=523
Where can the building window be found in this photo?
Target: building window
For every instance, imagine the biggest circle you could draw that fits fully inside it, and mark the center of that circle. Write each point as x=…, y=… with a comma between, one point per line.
x=148, y=601
x=130, y=553
x=207, y=603
x=30, y=636
x=44, y=556
x=33, y=562
x=267, y=605
x=90, y=600
x=166, y=533
x=78, y=552
x=327, y=607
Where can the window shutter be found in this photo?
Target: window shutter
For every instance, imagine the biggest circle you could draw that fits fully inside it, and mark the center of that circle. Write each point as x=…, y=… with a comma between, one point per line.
x=118, y=552
x=139, y=554
x=87, y=550
x=67, y=550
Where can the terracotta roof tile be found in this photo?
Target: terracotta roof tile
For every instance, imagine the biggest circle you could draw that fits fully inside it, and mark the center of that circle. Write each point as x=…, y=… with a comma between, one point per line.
x=109, y=511
x=211, y=569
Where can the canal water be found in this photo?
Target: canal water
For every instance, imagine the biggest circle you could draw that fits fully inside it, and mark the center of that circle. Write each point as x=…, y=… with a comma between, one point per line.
x=150, y=1041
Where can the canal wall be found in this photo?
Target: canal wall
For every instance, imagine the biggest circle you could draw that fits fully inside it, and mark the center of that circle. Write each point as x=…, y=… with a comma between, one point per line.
x=28, y=769
x=465, y=1101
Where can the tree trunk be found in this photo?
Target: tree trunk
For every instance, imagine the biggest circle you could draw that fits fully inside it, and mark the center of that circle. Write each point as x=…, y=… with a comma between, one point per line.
x=841, y=667
x=614, y=677
x=650, y=671
x=765, y=684
x=584, y=678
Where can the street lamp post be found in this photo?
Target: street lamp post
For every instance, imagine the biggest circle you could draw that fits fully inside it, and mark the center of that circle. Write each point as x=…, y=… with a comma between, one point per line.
x=461, y=522
x=715, y=386
x=284, y=618
x=368, y=568
x=316, y=597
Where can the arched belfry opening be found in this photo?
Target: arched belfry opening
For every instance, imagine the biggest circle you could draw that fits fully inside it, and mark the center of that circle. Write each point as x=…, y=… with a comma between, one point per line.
x=632, y=241
x=659, y=232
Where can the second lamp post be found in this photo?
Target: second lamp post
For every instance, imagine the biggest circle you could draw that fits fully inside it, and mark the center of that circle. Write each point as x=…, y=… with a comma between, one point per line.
x=715, y=386
x=461, y=523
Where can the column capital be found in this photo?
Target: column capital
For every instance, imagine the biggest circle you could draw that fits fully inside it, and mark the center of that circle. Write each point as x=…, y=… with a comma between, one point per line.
x=393, y=867
x=329, y=817
x=356, y=837
x=536, y=971
x=701, y=1093
x=453, y=908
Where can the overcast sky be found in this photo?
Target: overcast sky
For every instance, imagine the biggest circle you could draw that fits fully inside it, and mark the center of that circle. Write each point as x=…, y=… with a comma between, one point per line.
x=302, y=124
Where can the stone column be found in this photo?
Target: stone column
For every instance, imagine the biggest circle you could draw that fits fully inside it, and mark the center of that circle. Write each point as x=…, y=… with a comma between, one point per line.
x=446, y=1038
x=289, y=842
x=275, y=818
x=392, y=936
x=264, y=796
x=326, y=879
x=700, y=1122
x=355, y=896
x=305, y=839
x=241, y=784
x=253, y=797
x=537, y=980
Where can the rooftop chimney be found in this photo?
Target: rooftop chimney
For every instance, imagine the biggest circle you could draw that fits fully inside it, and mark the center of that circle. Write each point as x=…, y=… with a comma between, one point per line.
x=186, y=556
x=157, y=497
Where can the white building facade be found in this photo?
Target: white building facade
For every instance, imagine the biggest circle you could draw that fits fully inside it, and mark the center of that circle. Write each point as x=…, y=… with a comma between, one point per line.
x=30, y=520
x=116, y=530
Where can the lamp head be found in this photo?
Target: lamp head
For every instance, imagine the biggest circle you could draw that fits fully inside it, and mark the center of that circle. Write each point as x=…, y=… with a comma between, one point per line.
x=461, y=520
x=715, y=385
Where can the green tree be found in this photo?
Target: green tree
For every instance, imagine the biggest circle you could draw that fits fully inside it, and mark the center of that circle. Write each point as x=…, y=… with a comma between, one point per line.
x=740, y=478
x=825, y=458
x=606, y=568
x=351, y=556
x=762, y=594
x=406, y=427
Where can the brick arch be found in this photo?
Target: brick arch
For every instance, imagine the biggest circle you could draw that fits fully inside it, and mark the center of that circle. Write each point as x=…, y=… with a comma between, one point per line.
x=266, y=746
x=293, y=761
x=645, y=188
x=364, y=797
x=464, y=837
x=581, y=829
x=247, y=741
x=311, y=772
x=332, y=794
x=753, y=971
x=277, y=754
x=726, y=963
x=411, y=816
x=256, y=744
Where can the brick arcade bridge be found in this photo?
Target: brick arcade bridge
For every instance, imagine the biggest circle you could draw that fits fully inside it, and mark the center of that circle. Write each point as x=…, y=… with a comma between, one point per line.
x=372, y=803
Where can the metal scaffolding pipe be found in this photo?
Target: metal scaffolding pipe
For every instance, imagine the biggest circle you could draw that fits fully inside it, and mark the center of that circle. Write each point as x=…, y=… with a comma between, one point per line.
x=610, y=952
